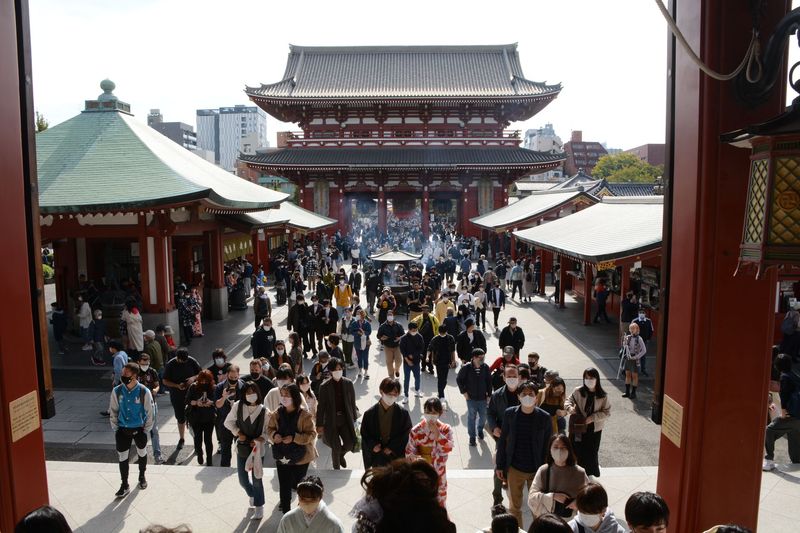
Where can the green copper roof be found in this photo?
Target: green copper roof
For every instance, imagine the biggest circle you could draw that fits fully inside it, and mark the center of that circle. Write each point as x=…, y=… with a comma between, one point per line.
x=109, y=161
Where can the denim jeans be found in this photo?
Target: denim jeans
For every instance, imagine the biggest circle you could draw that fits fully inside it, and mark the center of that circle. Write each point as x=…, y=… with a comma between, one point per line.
x=363, y=358
x=475, y=407
x=154, y=439
x=254, y=489
x=407, y=370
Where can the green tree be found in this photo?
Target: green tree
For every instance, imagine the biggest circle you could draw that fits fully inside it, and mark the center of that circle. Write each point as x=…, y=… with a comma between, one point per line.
x=41, y=122
x=625, y=168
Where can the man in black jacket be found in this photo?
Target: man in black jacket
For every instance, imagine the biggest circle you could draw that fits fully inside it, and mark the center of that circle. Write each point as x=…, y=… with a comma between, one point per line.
x=512, y=336
x=337, y=413
x=497, y=301
x=502, y=399
x=372, y=285
x=522, y=447
x=315, y=331
x=299, y=321
x=475, y=384
x=468, y=340
x=442, y=354
x=412, y=348
x=385, y=427
x=389, y=333
x=354, y=279
x=263, y=340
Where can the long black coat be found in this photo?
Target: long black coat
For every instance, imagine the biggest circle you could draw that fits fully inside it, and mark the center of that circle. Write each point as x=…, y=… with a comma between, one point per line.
x=464, y=347
x=326, y=410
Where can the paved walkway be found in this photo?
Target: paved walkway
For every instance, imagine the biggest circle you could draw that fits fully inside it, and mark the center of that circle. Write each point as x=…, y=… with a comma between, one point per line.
x=211, y=501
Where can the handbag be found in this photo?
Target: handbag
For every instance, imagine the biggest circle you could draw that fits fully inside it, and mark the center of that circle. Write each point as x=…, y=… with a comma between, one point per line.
x=559, y=508
x=577, y=424
x=357, y=444
x=291, y=453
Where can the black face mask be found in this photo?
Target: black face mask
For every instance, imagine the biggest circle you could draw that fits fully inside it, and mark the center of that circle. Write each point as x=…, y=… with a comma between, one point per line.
x=126, y=379
x=181, y=360
x=255, y=375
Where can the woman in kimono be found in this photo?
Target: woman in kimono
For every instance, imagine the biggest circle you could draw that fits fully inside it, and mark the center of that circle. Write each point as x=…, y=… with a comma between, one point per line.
x=432, y=441
x=197, y=294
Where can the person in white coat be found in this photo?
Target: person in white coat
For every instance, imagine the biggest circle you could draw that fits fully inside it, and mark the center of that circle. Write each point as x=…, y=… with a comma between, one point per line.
x=133, y=320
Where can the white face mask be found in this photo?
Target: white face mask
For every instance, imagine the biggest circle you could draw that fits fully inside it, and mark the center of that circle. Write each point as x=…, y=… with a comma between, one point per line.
x=527, y=401
x=641, y=316
x=430, y=417
x=219, y=361
x=280, y=351
x=144, y=367
x=341, y=283
x=590, y=383
x=251, y=398
x=286, y=401
x=305, y=386
x=282, y=382
x=512, y=383
x=560, y=455
x=389, y=318
x=336, y=374
x=388, y=399
x=589, y=520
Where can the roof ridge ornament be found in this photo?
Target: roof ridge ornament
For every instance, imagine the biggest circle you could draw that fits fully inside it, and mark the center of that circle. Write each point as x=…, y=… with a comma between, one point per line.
x=107, y=101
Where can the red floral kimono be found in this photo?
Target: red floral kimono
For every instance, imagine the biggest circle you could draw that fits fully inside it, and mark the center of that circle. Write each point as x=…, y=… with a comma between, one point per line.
x=422, y=444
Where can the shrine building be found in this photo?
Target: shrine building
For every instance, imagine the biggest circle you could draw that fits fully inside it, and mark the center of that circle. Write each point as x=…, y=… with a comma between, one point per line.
x=406, y=129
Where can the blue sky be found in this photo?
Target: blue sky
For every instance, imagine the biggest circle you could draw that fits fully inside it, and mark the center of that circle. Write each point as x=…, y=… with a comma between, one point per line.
x=179, y=55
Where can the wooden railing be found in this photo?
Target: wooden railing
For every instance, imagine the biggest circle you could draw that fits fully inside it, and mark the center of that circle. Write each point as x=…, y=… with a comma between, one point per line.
x=346, y=137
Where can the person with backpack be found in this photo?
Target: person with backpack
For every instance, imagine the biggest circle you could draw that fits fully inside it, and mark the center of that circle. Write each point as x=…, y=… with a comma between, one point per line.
x=262, y=307
x=790, y=343
x=131, y=413
x=788, y=423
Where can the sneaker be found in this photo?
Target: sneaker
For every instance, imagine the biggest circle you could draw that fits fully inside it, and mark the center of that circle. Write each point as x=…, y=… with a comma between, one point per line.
x=366, y=375
x=397, y=374
x=142, y=483
x=359, y=372
x=252, y=502
x=472, y=442
x=480, y=435
x=351, y=366
x=160, y=460
x=123, y=491
x=418, y=394
x=180, y=445
x=105, y=413
x=86, y=347
x=768, y=465
x=405, y=401
x=258, y=514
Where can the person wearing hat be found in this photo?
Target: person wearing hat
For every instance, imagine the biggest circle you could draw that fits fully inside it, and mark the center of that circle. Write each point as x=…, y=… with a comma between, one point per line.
x=512, y=336
x=468, y=340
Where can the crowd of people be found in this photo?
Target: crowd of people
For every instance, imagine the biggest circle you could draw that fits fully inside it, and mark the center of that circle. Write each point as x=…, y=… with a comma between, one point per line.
x=296, y=392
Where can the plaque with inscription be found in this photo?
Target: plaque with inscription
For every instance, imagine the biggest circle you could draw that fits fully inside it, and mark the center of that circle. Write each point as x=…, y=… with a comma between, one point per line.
x=24, y=415
x=672, y=420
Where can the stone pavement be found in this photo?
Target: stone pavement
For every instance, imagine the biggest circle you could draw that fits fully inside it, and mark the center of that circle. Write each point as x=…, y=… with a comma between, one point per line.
x=211, y=501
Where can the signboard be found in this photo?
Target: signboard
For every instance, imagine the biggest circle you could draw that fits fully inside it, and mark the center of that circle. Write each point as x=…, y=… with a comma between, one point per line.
x=672, y=421
x=24, y=415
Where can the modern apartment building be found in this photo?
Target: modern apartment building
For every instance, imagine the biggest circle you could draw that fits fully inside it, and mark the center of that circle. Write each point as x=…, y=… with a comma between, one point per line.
x=227, y=131
x=179, y=132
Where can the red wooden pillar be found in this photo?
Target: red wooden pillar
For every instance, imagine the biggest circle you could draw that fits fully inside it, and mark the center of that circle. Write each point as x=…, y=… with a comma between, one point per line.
x=66, y=270
x=624, y=287
x=256, y=249
x=162, y=248
x=215, y=272
x=710, y=474
x=562, y=281
x=146, y=276
x=426, y=212
x=547, y=263
x=381, y=210
x=513, y=240
x=290, y=236
x=24, y=361
x=588, y=277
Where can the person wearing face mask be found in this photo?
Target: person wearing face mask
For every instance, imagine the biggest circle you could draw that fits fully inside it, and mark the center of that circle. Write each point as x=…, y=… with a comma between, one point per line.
x=148, y=376
x=551, y=399
x=284, y=375
x=442, y=354
x=386, y=303
x=633, y=350
x=328, y=318
x=342, y=295
x=512, y=335
x=311, y=514
x=440, y=310
x=538, y=372
x=647, y=512
x=412, y=347
x=300, y=321
x=304, y=384
x=645, y=333
x=588, y=407
x=361, y=330
x=389, y=334
x=201, y=414
x=320, y=371
x=474, y=382
x=502, y=399
x=219, y=365
x=523, y=445
x=496, y=298
x=558, y=482
x=291, y=431
x=132, y=415
x=263, y=340
x=256, y=376
x=432, y=441
x=337, y=414
x=226, y=393
x=385, y=427
x=343, y=329
x=628, y=308
x=179, y=374
x=315, y=326
x=594, y=516
x=247, y=422
x=468, y=340
x=428, y=326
